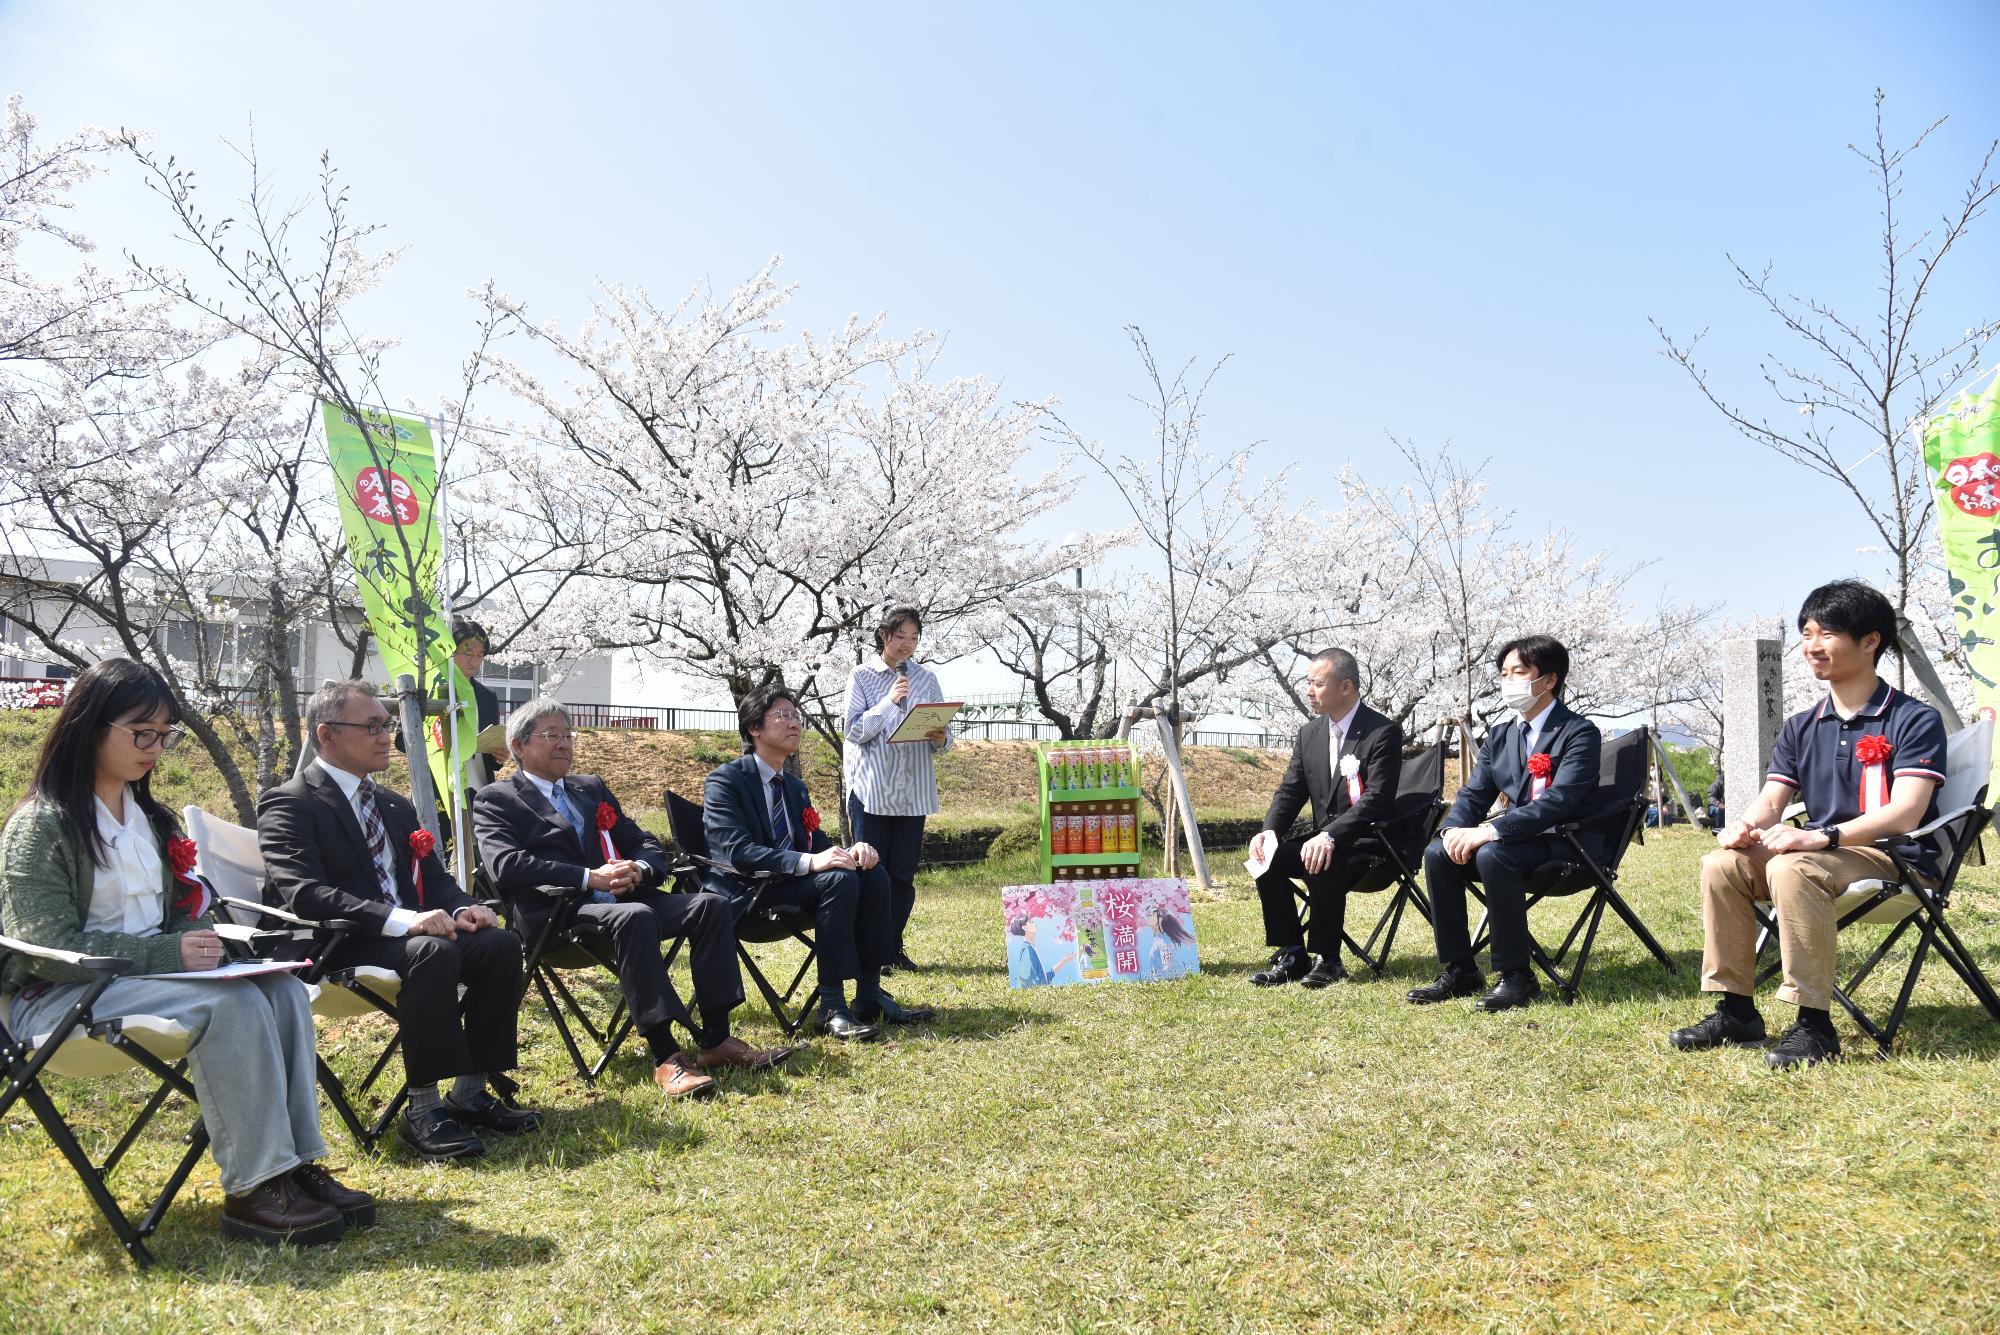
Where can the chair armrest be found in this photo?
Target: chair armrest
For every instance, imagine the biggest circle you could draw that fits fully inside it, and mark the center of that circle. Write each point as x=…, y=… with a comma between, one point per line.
x=1923, y=832
x=282, y=915
x=107, y=964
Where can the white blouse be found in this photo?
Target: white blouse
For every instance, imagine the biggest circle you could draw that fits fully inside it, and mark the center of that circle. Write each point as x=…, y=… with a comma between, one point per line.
x=125, y=894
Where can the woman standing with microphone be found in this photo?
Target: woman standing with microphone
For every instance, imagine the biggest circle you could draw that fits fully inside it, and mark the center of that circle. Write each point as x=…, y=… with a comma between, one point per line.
x=892, y=786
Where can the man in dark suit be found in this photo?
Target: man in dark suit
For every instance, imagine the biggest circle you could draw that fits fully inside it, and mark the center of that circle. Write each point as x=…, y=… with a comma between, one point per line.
x=1347, y=762
x=1546, y=765
x=760, y=819
x=337, y=846
x=543, y=838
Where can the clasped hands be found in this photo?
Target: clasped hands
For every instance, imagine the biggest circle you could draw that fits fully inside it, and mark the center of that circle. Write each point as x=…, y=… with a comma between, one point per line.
x=859, y=857
x=437, y=922
x=618, y=878
x=1779, y=838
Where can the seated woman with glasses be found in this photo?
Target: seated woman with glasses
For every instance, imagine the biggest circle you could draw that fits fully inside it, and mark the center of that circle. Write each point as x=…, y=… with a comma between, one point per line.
x=86, y=866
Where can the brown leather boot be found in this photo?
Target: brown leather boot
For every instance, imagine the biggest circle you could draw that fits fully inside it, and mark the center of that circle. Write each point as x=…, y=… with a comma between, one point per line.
x=356, y=1207
x=678, y=1081
x=278, y=1211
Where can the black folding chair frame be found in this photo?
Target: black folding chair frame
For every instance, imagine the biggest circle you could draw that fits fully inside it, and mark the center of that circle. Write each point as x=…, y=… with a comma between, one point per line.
x=24, y=1084
x=1934, y=931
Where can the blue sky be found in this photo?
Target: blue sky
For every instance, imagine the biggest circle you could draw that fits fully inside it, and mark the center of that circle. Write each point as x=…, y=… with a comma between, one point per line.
x=1443, y=221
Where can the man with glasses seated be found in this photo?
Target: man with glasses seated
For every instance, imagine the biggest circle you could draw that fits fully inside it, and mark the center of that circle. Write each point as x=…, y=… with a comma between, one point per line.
x=335, y=845
x=548, y=830
x=758, y=818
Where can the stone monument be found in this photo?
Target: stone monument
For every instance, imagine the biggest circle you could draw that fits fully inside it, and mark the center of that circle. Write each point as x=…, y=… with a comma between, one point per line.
x=1752, y=708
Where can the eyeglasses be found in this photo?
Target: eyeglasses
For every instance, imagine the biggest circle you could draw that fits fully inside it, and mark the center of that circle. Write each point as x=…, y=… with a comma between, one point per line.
x=781, y=716
x=148, y=738
x=553, y=736
x=373, y=727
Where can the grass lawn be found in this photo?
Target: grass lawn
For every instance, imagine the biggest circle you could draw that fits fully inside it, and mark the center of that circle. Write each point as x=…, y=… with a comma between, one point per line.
x=1188, y=1155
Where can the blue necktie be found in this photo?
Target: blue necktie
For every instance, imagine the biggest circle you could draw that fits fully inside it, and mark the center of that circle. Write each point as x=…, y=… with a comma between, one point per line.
x=781, y=822
x=567, y=814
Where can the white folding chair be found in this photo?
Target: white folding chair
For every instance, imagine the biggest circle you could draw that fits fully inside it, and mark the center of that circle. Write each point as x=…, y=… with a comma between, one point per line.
x=227, y=857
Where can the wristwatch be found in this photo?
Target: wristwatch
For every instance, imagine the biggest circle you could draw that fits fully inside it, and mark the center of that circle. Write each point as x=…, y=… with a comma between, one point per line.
x=1832, y=833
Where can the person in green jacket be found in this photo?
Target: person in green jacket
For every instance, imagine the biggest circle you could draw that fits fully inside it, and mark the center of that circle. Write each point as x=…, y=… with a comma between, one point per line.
x=86, y=865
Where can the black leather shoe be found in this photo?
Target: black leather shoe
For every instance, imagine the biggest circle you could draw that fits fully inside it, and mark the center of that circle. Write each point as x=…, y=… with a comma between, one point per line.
x=436, y=1136
x=356, y=1207
x=1457, y=980
x=1288, y=965
x=839, y=1022
x=1801, y=1046
x=892, y=1011
x=1325, y=970
x=1517, y=987
x=482, y=1109
x=902, y=963
x=1718, y=1030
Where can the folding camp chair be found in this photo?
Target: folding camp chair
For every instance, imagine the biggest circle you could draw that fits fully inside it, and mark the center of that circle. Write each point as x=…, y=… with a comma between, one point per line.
x=1401, y=840
x=1619, y=818
x=81, y=1045
x=227, y=858
x=557, y=948
x=1911, y=900
x=758, y=925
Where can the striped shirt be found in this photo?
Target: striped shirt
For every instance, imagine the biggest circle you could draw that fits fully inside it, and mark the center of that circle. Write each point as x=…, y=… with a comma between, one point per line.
x=890, y=778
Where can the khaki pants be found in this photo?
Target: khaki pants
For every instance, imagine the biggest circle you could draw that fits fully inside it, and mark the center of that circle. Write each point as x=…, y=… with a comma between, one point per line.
x=1802, y=888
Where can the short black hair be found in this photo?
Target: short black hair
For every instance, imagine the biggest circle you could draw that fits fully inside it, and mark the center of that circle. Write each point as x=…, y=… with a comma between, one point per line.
x=750, y=714
x=1852, y=608
x=465, y=628
x=1544, y=653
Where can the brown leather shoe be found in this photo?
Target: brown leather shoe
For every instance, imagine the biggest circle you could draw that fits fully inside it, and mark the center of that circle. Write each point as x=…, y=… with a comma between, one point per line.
x=733, y=1051
x=676, y=1081
x=356, y=1207
x=279, y=1211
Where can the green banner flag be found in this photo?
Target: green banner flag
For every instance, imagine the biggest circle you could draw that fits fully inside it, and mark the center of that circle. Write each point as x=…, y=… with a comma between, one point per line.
x=385, y=471
x=1962, y=450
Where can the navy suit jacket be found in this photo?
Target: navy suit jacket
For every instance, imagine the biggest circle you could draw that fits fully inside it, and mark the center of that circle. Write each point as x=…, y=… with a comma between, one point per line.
x=1376, y=742
x=736, y=817
x=316, y=858
x=1572, y=744
x=524, y=847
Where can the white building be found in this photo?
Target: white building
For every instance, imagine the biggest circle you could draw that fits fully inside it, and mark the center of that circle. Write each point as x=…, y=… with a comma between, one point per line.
x=318, y=653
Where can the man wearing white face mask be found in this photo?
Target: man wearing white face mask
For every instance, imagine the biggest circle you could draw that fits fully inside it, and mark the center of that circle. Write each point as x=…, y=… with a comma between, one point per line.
x=1546, y=763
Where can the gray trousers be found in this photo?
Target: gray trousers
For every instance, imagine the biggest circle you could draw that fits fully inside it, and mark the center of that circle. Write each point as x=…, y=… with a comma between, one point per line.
x=251, y=1061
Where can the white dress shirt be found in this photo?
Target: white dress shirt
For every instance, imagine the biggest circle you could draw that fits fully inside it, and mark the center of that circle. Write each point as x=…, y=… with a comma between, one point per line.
x=1336, y=736
x=350, y=788
x=771, y=804
x=125, y=889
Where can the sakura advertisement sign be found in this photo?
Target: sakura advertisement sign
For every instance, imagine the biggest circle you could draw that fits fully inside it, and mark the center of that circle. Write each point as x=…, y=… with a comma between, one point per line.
x=1122, y=931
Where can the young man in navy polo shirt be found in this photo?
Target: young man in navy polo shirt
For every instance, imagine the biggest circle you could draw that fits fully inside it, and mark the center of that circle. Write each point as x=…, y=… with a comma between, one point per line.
x=1866, y=761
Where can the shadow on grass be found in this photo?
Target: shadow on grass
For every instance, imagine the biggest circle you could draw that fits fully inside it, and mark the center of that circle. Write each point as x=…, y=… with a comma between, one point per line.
x=189, y=1246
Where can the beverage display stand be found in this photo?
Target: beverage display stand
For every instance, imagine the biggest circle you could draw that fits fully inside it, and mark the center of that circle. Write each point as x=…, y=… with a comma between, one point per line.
x=1089, y=797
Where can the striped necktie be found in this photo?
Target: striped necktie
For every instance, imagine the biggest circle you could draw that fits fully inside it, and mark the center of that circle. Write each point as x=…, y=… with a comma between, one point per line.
x=566, y=813
x=377, y=836
x=781, y=821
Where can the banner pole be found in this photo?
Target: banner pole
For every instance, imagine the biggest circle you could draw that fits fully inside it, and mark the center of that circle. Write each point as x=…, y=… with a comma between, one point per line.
x=461, y=841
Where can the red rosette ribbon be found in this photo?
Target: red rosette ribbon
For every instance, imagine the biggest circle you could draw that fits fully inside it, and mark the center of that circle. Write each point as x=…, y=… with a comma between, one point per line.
x=422, y=844
x=607, y=816
x=194, y=899
x=1873, y=752
x=1539, y=769
x=809, y=818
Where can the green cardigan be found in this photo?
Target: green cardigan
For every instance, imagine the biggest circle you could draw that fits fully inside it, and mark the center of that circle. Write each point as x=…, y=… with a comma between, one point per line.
x=46, y=877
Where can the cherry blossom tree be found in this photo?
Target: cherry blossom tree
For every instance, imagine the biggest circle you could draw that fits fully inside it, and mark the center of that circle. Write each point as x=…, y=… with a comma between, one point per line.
x=750, y=501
